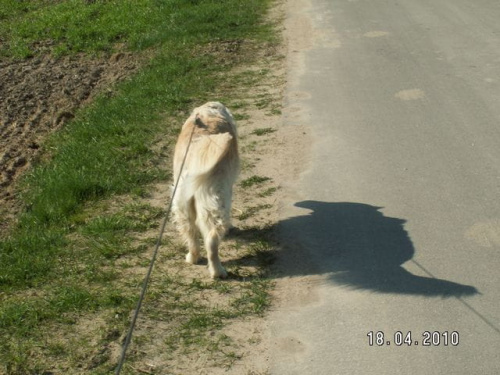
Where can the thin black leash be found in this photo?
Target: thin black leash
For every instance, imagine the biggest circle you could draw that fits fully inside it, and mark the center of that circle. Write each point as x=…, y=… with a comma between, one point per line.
x=128, y=339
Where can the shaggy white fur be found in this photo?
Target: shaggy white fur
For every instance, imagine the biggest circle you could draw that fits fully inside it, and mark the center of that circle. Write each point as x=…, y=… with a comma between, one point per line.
x=202, y=203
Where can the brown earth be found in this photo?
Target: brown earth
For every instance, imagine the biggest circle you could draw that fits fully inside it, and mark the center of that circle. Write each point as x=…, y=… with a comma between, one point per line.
x=37, y=96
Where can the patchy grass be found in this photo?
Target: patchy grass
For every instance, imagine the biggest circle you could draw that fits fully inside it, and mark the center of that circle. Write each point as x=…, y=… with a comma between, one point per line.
x=268, y=192
x=253, y=210
x=253, y=180
x=263, y=131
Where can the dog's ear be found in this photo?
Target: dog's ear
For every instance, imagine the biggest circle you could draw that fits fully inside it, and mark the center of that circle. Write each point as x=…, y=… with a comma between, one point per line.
x=198, y=122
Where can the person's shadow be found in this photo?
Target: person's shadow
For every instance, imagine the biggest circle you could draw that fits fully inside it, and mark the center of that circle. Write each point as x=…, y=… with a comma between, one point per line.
x=357, y=247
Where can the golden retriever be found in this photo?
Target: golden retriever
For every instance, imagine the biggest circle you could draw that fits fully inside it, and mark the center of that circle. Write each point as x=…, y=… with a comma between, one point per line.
x=202, y=203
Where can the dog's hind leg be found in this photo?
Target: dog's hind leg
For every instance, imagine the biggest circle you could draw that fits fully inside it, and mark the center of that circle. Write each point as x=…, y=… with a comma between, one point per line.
x=212, y=245
x=185, y=217
x=192, y=235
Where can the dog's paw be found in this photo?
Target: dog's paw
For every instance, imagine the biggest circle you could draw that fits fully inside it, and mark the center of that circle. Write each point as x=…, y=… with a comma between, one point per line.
x=192, y=258
x=218, y=272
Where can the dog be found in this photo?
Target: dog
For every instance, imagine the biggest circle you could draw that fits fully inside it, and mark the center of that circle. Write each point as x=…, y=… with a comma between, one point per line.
x=202, y=203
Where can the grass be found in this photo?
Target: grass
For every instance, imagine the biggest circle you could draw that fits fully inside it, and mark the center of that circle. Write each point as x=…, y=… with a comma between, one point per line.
x=253, y=180
x=85, y=219
x=268, y=192
x=263, y=131
x=73, y=26
x=251, y=211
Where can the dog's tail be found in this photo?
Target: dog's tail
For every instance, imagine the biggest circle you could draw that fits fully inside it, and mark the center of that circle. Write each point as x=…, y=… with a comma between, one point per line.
x=205, y=155
x=207, y=151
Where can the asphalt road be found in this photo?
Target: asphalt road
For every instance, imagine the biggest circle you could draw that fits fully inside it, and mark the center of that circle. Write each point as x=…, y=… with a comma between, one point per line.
x=394, y=223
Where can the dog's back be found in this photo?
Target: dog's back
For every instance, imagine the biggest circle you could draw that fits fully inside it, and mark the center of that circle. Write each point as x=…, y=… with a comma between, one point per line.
x=203, y=200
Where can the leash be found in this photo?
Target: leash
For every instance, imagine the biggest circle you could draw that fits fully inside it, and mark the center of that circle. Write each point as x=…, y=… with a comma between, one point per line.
x=128, y=339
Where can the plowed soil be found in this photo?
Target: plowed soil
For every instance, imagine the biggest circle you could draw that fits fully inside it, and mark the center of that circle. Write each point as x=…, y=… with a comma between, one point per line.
x=38, y=96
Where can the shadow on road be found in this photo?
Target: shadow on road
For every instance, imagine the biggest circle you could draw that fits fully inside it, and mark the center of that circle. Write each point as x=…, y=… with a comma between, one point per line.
x=359, y=247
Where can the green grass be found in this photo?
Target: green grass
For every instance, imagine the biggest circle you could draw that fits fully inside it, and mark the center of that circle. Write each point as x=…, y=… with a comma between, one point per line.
x=196, y=318
x=253, y=180
x=268, y=192
x=73, y=26
x=263, y=131
x=251, y=211
x=255, y=298
x=21, y=318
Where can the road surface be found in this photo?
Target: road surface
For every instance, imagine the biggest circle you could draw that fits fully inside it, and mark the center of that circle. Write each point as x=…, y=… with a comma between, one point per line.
x=391, y=233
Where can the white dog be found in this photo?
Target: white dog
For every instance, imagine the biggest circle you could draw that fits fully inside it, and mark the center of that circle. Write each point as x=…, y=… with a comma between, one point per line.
x=202, y=202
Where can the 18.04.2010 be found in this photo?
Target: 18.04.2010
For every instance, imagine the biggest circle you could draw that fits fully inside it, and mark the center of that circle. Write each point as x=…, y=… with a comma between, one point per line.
x=428, y=338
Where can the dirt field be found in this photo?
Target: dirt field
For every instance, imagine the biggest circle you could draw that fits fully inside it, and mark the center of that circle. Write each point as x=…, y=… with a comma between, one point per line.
x=37, y=96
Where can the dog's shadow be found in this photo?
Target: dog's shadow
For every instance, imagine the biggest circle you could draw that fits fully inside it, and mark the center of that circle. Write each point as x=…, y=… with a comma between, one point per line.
x=356, y=246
